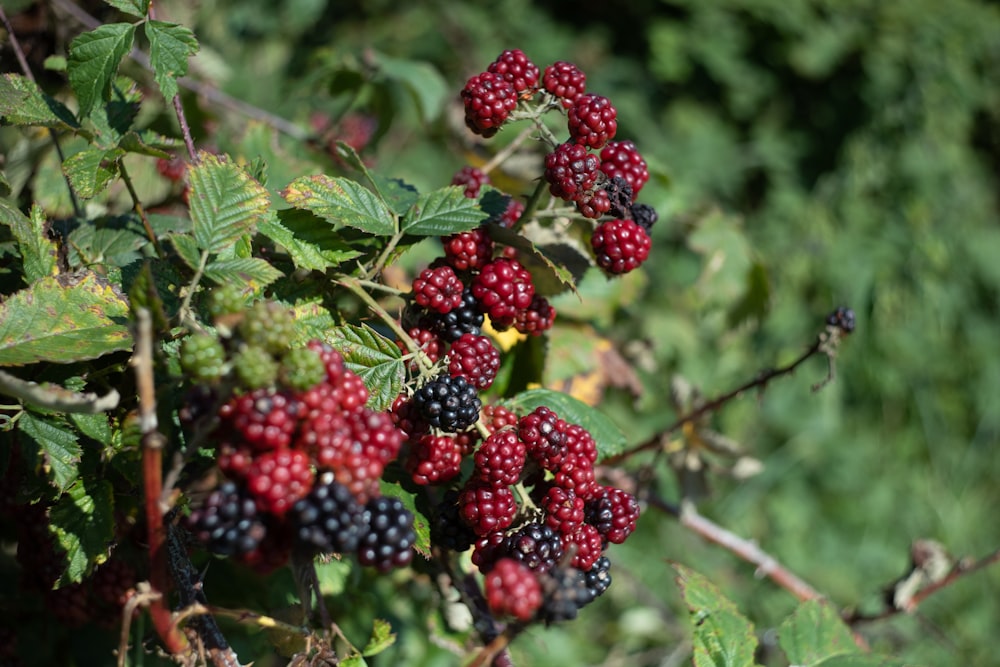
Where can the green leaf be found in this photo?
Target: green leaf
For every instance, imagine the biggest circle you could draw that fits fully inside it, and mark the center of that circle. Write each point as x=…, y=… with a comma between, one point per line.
x=312, y=321
x=65, y=318
x=382, y=638
x=814, y=632
x=862, y=661
x=353, y=661
x=187, y=248
x=341, y=201
x=421, y=525
x=93, y=61
x=57, y=445
x=116, y=242
x=609, y=438
x=253, y=272
x=145, y=142
x=170, y=46
x=312, y=230
x=375, y=358
x=722, y=636
x=95, y=427
x=39, y=255
x=443, y=212
x=225, y=202
x=22, y=102
x=90, y=170
x=83, y=523
x=422, y=80
x=133, y=7
x=305, y=255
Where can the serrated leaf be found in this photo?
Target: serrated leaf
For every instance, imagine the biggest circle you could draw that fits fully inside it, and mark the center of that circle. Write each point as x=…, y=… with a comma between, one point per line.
x=95, y=427
x=375, y=358
x=609, y=438
x=22, y=102
x=39, y=256
x=187, y=249
x=443, y=212
x=382, y=637
x=65, y=318
x=722, y=636
x=421, y=525
x=253, y=272
x=813, y=633
x=57, y=445
x=170, y=46
x=312, y=321
x=90, y=170
x=116, y=242
x=225, y=202
x=305, y=255
x=699, y=593
x=310, y=229
x=341, y=201
x=133, y=7
x=82, y=521
x=93, y=62
x=145, y=142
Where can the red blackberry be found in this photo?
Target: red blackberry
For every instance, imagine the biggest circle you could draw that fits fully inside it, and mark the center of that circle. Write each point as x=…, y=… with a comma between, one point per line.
x=564, y=80
x=434, y=459
x=448, y=403
x=588, y=545
x=472, y=179
x=577, y=474
x=571, y=171
x=70, y=605
x=644, y=215
x=503, y=288
x=358, y=457
x=542, y=435
x=428, y=342
x=488, y=549
x=598, y=577
x=406, y=418
x=500, y=459
x=535, y=545
x=512, y=213
x=264, y=419
x=332, y=359
x=329, y=519
x=171, y=168
x=278, y=479
x=476, y=359
x=468, y=251
x=593, y=205
x=592, y=121
x=203, y=358
x=515, y=67
x=536, y=318
x=273, y=551
x=496, y=417
x=438, y=289
x=564, y=510
x=566, y=592
x=613, y=512
x=579, y=442
x=233, y=460
x=512, y=590
x=390, y=537
x=448, y=530
x=621, y=158
x=450, y=326
x=489, y=98
x=228, y=522
x=486, y=508
x=620, y=245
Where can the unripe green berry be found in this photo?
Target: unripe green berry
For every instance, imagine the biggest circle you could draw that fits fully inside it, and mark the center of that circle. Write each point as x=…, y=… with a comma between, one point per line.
x=255, y=367
x=302, y=369
x=226, y=300
x=269, y=325
x=203, y=358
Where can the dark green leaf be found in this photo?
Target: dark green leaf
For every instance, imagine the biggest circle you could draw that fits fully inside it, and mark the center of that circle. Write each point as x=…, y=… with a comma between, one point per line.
x=252, y=272
x=70, y=317
x=313, y=230
x=375, y=358
x=305, y=255
x=90, y=170
x=862, y=661
x=133, y=7
x=443, y=212
x=341, y=201
x=382, y=637
x=57, y=445
x=38, y=252
x=170, y=46
x=23, y=103
x=609, y=438
x=117, y=243
x=83, y=522
x=813, y=633
x=93, y=61
x=95, y=426
x=225, y=202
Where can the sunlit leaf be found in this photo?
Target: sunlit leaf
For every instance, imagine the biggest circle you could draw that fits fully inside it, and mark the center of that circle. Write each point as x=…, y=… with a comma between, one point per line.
x=443, y=212
x=341, y=201
x=253, y=272
x=813, y=633
x=57, y=445
x=83, y=523
x=23, y=103
x=38, y=252
x=375, y=358
x=93, y=61
x=90, y=170
x=170, y=46
x=225, y=202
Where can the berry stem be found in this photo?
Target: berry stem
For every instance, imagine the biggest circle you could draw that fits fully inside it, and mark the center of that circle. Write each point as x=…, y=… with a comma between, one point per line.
x=384, y=256
x=184, y=312
x=507, y=151
x=532, y=204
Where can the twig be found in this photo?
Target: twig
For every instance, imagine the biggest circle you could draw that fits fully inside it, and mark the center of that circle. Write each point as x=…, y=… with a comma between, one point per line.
x=54, y=397
x=140, y=210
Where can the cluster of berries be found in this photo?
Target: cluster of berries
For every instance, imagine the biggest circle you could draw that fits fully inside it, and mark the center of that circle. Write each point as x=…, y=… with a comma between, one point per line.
x=597, y=183
x=301, y=452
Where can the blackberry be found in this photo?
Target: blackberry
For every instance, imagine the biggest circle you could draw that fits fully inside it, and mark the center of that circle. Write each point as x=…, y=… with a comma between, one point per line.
x=536, y=318
x=486, y=508
x=428, y=342
x=593, y=204
x=566, y=592
x=228, y=522
x=500, y=459
x=544, y=438
x=571, y=171
x=468, y=251
x=255, y=367
x=620, y=245
x=598, y=577
x=476, y=359
x=406, y=418
x=448, y=403
x=621, y=159
x=842, y=318
x=564, y=510
x=279, y=479
x=438, y=288
x=472, y=179
x=644, y=215
x=171, y=168
x=613, y=512
x=579, y=442
x=535, y=545
x=515, y=67
x=434, y=459
x=488, y=98
x=466, y=318
x=564, y=80
x=329, y=519
x=503, y=288
x=576, y=473
x=586, y=544
x=488, y=549
x=511, y=214
x=592, y=121
x=269, y=325
x=620, y=193
x=331, y=358
x=265, y=419
x=497, y=417
x=390, y=537
x=113, y=582
x=203, y=358
x=358, y=454
x=302, y=369
x=448, y=530
x=226, y=301
x=512, y=590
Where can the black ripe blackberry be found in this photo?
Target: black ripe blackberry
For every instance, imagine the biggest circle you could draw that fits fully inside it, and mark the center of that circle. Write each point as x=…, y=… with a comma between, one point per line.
x=466, y=318
x=448, y=403
x=620, y=195
x=842, y=318
x=599, y=576
x=448, y=530
x=329, y=519
x=535, y=545
x=227, y=523
x=644, y=215
x=390, y=538
x=566, y=591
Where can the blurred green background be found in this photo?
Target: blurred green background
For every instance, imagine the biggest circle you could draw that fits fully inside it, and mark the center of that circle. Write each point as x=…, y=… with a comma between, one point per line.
x=806, y=154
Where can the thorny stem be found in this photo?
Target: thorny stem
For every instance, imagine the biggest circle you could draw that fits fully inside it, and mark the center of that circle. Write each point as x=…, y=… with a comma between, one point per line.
x=179, y=110
x=140, y=210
